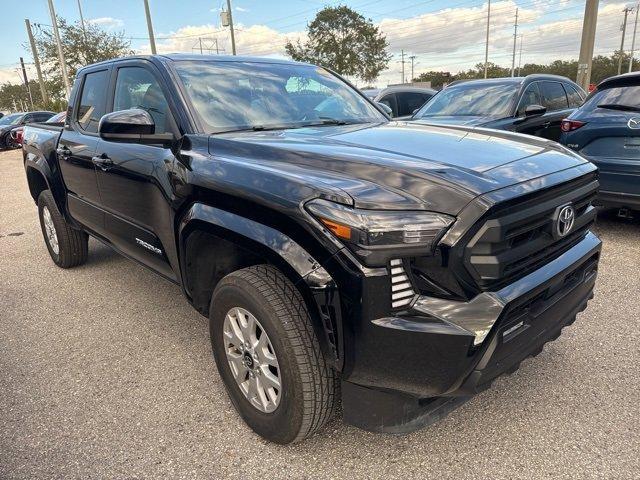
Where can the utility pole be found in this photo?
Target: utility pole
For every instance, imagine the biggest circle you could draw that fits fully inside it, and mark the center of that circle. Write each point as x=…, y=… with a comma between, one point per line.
x=84, y=30
x=486, y=47
x=402, y=62
x=587, y=42
x=233, y=37
x=56, y=35
x=36, y=60
x=26, y=81
x=413, y=59
x=624, y=31
x=520, y=59
x=217, y=49
x=515, y=39
x=633, y=42
x=152, y=38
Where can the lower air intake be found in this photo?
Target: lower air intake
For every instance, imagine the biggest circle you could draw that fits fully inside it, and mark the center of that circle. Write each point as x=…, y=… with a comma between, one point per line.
x=402, y=293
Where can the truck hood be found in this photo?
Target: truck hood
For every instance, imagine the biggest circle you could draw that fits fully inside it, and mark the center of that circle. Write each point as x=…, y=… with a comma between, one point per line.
x=399, y=165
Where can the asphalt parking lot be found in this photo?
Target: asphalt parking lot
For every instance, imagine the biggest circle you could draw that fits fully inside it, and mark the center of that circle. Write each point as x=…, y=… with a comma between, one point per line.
x=106, y=372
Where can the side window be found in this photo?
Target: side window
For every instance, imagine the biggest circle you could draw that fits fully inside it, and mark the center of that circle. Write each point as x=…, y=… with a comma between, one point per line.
x=575, y=99
x=531, y=96
x=42, y=117
x=92, y=100
x=389, y=101
x=136, y=87
x=554, y=96
x=410, y=101
x=28, y=118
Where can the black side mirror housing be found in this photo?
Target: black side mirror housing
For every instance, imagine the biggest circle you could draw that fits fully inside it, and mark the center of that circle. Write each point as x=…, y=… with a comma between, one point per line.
x=133, y=125
x=534, y=111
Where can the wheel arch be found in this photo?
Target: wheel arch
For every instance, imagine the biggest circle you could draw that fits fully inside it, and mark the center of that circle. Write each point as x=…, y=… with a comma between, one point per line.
x=214, y=243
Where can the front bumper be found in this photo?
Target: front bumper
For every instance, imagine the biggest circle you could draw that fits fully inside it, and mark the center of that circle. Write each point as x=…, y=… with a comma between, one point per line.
x=403, y=363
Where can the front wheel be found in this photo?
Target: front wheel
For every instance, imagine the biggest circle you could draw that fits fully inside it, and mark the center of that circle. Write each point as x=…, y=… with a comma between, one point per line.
x=268, y=355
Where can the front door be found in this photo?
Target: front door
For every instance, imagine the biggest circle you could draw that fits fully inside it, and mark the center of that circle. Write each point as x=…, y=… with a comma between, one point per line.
x=77, y=148
x=134, y=183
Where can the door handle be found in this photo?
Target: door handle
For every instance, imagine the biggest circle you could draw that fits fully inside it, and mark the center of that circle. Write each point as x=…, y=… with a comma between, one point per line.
x=546, y=125
x=103, y=161
x=63, y=151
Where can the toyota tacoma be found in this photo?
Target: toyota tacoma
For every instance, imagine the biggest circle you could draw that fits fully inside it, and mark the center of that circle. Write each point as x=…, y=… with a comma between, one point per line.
x=339, y=256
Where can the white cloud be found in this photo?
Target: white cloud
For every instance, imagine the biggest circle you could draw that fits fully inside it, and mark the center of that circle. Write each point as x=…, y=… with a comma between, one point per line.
x=240, y=9
x=107, y=22
x=451, y=39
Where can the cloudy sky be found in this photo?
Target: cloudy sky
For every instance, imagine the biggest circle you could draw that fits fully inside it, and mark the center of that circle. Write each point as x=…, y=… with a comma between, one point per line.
x=441, y=34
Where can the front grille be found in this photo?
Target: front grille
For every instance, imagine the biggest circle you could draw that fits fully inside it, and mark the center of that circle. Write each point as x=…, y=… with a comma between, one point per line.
x=512, y=241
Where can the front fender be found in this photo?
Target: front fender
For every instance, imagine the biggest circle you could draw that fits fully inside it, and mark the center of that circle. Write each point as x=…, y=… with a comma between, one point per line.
x=315, y=283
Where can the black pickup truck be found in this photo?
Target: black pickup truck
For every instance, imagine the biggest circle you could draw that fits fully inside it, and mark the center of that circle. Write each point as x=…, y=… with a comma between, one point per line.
x=338, y=255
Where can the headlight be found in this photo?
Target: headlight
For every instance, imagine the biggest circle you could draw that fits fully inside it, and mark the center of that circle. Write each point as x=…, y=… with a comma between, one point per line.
x=371, y=233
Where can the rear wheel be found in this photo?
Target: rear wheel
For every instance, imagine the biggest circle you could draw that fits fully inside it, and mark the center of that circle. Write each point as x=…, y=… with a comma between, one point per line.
x=268, y=355
x=67, y=246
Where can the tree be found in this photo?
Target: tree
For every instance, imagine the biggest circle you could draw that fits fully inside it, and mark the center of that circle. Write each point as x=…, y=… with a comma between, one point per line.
x=15, y=97
x=98, y=45
x=343, y=40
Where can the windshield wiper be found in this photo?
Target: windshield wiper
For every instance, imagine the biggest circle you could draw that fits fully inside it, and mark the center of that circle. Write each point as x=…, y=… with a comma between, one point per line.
x=617, y=106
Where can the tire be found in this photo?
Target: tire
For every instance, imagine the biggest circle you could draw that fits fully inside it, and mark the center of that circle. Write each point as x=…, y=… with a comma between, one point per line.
x=307, y=397
x=72, y=246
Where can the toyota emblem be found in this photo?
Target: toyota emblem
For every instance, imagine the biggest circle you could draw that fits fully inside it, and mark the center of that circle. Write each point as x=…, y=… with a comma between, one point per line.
x=634, y=123
x=566, y=217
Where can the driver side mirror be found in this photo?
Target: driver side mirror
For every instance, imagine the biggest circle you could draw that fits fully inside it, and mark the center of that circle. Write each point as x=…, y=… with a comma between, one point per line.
x=134, y=125
x=386, y=108
x=534, y=111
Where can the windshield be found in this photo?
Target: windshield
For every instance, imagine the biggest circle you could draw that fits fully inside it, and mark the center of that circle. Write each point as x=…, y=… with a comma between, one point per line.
x=472, y=99
x=617, y=96
x=253, y=95
x=11, y=119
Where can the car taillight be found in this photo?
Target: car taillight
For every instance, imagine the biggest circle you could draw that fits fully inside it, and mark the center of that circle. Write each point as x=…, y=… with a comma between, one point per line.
x=570, y=125
x=19, y=136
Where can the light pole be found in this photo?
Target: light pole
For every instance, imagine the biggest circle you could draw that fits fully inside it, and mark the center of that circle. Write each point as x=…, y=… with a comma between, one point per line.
x=56, y=35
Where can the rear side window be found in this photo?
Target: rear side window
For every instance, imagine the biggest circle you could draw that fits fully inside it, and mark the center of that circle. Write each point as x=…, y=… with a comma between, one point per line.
x=574, y=97
x=531, y=96
x=622, y=96
x=92, y=100
x=410, y=101
x=554, y=95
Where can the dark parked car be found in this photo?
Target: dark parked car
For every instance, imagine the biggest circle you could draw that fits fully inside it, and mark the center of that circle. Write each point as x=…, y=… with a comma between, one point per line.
x=16, y=135
x=15, y=120
x=606, y=130
x=535, y=104
x=403, y=267
x=404, y=100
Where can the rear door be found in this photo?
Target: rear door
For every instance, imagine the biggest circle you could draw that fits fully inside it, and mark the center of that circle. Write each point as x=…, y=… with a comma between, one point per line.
x=77, y=147
x=135, y=187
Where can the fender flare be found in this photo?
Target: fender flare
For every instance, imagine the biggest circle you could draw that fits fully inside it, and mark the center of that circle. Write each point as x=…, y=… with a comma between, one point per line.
x=318, y=287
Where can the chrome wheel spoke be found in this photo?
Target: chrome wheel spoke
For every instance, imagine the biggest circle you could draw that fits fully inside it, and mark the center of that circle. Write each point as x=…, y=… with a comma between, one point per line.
x=238, y=368
x=252, y=359
x=50, y=230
